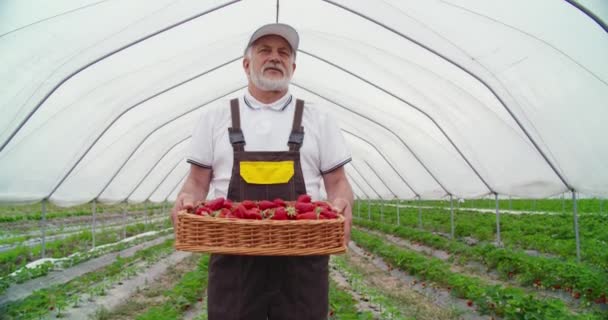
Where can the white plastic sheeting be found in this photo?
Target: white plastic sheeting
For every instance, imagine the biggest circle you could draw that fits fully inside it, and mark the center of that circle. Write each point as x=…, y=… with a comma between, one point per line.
x=460, y=97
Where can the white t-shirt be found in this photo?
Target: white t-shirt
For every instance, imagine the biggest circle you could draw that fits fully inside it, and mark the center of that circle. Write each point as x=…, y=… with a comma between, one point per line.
x=266, y=127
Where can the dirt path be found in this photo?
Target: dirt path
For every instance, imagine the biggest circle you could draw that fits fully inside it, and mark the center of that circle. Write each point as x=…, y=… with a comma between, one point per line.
x=362, y=304
x=20, y=291
x=197, y=310
x=477, y=269
x=158, y=277
x=412, y=290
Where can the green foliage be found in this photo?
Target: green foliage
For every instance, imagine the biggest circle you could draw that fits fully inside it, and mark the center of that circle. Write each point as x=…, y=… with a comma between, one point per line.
x=55, y=298
x=546, y=233
x=541, y=272
x=509, y=303
x=10, y=213
x=342, y=305
x=18, y=257
x=185, y=293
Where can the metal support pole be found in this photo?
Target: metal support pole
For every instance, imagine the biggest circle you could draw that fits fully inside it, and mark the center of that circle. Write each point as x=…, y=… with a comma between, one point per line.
x=451, y=217
x=43, y=228
x=578, y=243
x=498, y=240
x=369, y=209
x=145, y=216
x=93, y=210
x=124, y=220
x=510, y=203
x=419, y=214
x=359, y=207
x=534, y=205
x=100, y=210
x=398, y=213
x=381, y=210
x=563, y=203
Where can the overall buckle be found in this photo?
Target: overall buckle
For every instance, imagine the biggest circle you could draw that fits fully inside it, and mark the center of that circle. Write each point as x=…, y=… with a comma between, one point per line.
x=236, y=137
x=296, y=137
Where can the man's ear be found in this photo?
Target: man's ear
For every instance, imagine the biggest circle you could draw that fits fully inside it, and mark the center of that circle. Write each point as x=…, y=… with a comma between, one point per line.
x=246, y=63
x=294, y=67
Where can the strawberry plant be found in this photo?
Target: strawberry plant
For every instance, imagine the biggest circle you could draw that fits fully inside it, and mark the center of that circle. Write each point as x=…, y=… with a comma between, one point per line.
x=510, y=303
x=511, y=263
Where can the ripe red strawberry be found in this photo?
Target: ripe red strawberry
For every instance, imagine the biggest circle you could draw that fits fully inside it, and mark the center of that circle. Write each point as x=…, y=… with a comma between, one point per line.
x=304, y=198
x=469, y=303
x=202, y=211
x=310, y=215
x=223, y=212
x=215, y=204
x=321, y=204
x=228, y=204
x=254, y=214
x=265, y=204
x=240, y=211
x=576, y=295
x=291, y=213
x=304, y=207
x=326, y=213
x=280, y=213
x=249, y=204
x=280, y=202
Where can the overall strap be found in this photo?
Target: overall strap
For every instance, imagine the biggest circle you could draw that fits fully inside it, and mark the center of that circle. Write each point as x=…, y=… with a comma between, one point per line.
x=296, y=138
x=237, y=139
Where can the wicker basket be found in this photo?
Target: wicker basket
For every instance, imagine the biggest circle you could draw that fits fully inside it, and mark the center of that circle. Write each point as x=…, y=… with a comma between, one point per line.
x=259, y=237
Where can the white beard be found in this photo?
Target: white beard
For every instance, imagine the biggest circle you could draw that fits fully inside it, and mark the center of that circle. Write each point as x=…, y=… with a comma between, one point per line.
x=260, y=81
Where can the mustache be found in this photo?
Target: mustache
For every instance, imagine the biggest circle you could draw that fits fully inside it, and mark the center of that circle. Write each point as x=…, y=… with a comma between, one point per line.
x=270, y=65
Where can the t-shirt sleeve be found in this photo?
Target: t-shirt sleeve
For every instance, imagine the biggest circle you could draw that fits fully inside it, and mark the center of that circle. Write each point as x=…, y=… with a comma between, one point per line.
x=201, y=146
x=334, y=152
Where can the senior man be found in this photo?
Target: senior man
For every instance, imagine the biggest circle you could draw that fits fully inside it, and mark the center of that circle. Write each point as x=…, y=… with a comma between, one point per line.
x=268, y=124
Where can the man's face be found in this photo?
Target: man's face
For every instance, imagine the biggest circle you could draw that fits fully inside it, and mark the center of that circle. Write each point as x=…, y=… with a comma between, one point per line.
x=270, y=65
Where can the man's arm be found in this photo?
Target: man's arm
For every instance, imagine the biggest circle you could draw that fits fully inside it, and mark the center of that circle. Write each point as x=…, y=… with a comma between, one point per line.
x=194, y=189
x=340, y=195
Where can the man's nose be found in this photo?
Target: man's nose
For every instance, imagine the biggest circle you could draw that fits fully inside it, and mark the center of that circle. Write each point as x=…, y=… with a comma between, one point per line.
x=275, y=56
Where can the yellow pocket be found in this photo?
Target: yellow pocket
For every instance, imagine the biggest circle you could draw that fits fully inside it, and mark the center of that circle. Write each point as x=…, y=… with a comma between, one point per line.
x=266, y=172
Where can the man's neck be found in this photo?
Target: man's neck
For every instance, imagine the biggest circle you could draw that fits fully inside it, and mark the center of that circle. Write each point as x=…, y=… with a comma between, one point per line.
x=266, y=96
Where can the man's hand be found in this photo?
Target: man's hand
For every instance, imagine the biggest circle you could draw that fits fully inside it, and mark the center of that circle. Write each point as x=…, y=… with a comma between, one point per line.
x=194, y=189
x=183, y=202
x=340, y=194
x=344, y=207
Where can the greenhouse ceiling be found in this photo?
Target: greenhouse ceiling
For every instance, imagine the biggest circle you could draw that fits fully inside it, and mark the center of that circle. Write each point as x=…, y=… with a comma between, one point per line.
x=460, y=98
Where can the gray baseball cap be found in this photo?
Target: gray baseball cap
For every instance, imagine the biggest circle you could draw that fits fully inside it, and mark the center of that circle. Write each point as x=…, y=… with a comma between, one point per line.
x=285, y=31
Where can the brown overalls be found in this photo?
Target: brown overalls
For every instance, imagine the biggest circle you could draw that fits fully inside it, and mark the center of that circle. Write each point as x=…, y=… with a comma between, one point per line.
x=267, y=287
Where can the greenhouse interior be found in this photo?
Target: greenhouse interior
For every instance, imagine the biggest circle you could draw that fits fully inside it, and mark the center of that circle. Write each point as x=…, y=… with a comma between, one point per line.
x=476, y=173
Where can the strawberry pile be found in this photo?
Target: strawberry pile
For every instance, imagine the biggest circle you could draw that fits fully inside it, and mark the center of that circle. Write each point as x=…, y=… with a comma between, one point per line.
x=277, y=209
